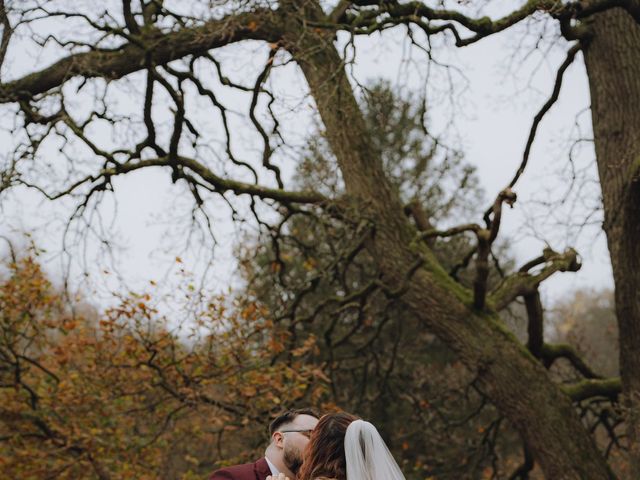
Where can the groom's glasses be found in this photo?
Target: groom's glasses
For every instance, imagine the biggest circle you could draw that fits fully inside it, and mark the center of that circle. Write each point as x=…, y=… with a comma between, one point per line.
x=306, y=433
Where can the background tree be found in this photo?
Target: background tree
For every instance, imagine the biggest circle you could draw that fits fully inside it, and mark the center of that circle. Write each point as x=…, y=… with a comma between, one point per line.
x=379, y=360
x=123, y=395
x=587, y=320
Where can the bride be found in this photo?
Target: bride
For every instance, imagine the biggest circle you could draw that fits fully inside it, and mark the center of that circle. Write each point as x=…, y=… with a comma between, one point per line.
x=343, y=447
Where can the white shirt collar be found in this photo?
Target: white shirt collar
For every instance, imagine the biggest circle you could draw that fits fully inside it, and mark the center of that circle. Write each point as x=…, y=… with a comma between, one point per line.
x=272, y=467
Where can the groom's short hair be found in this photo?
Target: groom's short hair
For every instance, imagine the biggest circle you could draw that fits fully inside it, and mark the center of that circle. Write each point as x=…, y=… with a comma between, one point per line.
x=288, y=417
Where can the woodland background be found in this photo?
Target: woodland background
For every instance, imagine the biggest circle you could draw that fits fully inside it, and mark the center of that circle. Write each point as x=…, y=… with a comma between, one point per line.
x=370, y=272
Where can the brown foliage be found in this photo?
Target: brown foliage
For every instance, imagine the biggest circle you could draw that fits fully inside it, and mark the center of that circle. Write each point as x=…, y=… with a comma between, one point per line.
x=118, y=397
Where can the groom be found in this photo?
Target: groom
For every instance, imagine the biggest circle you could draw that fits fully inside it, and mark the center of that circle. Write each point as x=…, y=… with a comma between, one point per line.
x=289, y=434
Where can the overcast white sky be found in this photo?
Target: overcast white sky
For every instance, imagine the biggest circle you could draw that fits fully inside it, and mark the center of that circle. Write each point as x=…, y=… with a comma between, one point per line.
x=493, y=114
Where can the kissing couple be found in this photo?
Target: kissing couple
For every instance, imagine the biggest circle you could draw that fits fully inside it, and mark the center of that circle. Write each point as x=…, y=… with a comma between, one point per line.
x=305, y=446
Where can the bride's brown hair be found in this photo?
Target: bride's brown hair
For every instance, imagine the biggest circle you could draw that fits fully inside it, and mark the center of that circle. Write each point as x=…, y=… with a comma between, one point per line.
x=324, y=455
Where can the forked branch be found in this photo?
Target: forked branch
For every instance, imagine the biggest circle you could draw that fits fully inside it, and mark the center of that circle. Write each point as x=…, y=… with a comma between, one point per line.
x=523, y=282
x=486, y=237
x=552, y=352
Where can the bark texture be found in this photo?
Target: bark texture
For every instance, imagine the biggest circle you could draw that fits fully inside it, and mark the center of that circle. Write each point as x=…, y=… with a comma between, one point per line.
x=612, y=59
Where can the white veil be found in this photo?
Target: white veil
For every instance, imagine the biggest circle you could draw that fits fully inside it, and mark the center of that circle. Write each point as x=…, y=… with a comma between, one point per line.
x=367, y=456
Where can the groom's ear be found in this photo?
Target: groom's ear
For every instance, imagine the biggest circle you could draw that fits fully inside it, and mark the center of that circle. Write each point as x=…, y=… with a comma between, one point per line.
x=277, y=439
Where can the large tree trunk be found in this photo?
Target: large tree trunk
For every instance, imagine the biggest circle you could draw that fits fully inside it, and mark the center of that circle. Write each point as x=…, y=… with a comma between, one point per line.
x=612, y=58
x=507, y=373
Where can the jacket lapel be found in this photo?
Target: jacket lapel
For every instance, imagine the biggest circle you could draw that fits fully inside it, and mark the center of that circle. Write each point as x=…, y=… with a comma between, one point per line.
x=261, y=469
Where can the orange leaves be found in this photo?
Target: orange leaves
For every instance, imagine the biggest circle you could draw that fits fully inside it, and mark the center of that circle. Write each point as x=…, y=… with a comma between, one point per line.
x=78, y=385
x=27, y=303
x=488, y=473
x=310, y=264
x=69, y=324
x=308, y=346
x=275, y=344
x=125, y=387
x=248, y=312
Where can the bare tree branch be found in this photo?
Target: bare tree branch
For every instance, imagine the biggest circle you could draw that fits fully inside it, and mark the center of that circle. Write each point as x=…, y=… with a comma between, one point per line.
x=571, y=54
x=486, y=237
x=535, y=325
x=267, y=151
x=6, y=32
x=391, y=13
x=129, y=19
x=609, y=387
x=521, y=282
x=213, y=181
x=551, y=352
x=162, y=49
x=450, y=232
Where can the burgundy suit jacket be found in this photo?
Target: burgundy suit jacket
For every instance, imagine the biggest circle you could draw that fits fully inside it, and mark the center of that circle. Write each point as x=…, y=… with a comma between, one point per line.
x=249, y=471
